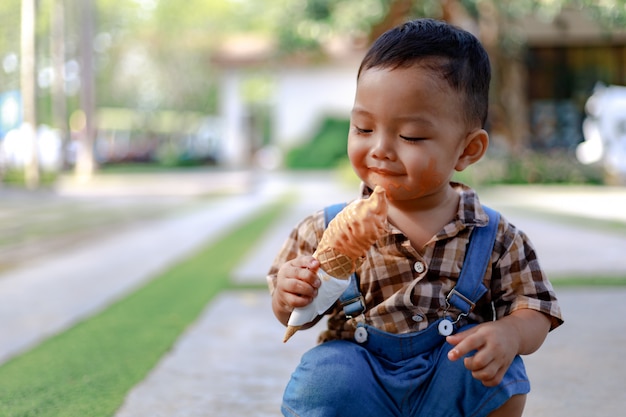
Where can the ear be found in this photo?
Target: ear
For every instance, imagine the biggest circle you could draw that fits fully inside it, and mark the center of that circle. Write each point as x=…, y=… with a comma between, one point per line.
x=475, y=145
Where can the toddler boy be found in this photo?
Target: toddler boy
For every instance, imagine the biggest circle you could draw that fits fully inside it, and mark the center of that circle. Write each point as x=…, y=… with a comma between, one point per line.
x=424, y=345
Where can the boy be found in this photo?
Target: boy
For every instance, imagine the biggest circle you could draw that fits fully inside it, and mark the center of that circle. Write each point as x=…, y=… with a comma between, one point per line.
x=418, y=116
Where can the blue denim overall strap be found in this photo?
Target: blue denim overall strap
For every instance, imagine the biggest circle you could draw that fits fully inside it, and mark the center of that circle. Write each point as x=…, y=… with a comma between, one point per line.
x=469, y=287
x=351, y=300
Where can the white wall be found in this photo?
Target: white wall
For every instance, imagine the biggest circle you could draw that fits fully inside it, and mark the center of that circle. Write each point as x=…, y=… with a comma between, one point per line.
x=234, y=147
x=304, y=96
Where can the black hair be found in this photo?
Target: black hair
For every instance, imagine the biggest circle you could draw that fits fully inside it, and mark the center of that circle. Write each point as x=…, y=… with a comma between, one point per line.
x=452, y=52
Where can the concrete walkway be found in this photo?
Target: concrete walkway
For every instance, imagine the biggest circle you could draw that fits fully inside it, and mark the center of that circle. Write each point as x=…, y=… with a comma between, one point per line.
x=45, y=297
x=232, y=361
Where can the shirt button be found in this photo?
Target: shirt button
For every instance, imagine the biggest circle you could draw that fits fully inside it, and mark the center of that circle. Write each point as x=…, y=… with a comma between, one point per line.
x=445, y=327
x=418, y=318
x=360, y=335
x=419, y=267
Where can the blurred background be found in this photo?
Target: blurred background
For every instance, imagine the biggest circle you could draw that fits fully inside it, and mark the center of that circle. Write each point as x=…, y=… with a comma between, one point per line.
x=88, y=87
x=154, y=155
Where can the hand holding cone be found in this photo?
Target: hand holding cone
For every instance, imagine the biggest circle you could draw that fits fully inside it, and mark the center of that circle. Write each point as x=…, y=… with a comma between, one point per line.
x=345, y=241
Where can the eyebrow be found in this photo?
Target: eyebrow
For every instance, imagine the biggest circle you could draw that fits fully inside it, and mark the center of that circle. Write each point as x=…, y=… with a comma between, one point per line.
x=409, y=118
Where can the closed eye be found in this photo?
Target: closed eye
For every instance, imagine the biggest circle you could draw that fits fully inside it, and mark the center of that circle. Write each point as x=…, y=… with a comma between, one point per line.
x=411, y=139
x=362, y=131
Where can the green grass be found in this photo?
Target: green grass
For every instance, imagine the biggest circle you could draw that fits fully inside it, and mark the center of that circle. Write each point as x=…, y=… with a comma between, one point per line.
x=88, y=370
x=603, y=281
x=149, y=168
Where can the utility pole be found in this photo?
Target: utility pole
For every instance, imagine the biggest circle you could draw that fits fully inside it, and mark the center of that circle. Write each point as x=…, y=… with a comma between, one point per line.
x=28, y=86
x=85, y=159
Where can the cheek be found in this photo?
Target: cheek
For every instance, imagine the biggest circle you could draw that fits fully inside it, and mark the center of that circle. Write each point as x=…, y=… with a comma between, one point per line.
x=427, y=177
x=356, y=153
x=430, y=175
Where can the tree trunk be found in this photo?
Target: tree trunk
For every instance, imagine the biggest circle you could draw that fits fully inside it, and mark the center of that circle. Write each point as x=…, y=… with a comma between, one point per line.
x=85, y=158
x=57, y=47
x=29, y=93
x=508, y=115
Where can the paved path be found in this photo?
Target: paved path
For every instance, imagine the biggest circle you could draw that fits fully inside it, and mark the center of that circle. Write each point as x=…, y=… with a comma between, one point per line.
x=232, y=360
x=45, y=297
x=564, y=248
x=579, y=371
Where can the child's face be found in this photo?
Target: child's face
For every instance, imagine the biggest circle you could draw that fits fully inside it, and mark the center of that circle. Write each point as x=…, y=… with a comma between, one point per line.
x=407, y=131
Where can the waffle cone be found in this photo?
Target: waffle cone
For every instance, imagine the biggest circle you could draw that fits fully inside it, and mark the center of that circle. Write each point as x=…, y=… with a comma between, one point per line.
x=291, y=330
x=335, y=264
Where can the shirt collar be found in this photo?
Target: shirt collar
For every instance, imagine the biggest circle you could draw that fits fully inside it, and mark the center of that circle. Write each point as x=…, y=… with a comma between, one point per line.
x=469, y=214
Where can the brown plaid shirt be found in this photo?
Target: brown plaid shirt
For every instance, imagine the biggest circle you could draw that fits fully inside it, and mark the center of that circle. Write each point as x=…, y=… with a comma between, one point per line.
x=405, y=290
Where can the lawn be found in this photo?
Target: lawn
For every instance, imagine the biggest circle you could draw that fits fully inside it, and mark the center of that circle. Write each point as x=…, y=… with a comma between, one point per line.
x=591, y=281
x=88, y=370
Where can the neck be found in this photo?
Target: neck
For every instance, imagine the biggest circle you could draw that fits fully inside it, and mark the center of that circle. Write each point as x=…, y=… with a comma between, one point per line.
x=422, y=218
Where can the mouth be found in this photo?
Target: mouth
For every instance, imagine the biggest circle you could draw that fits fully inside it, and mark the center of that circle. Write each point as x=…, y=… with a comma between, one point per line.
x=384, y=172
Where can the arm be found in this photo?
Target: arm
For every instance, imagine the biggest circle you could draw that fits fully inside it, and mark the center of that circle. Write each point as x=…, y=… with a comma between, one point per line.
x=296, y=286
x=498, y=342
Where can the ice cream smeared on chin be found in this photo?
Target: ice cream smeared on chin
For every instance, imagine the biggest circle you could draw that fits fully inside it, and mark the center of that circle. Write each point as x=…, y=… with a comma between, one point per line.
x=344, y=243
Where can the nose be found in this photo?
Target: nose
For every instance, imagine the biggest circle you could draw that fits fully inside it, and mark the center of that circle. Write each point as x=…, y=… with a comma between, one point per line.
x=383, y=147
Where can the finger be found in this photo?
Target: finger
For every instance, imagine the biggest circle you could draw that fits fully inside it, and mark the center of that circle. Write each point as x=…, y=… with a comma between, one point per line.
x=456, y=338
x=491, y=375
x=468, y=344
x=308, y=262
x=290, y=274
x=313, y=264
x=486, y=367
x=296, y=300
x=306, y=276
x=301, y=288
x=481, y=362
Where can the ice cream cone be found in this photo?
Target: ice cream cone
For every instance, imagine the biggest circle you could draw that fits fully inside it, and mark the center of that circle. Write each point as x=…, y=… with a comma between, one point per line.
x=335, y=263
x=342, y=247
x=291, y=330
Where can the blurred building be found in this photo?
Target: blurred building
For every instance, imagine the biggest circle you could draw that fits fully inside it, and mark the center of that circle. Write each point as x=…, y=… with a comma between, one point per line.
x=566, y=56
x=293, y=95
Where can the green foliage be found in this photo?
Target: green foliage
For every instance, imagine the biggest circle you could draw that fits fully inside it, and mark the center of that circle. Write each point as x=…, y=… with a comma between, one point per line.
x=531, y=167
x=549, y=167
x=16, y=177
x=304, y=26
x=325, y=150
x=87, y=370
x=598, y=281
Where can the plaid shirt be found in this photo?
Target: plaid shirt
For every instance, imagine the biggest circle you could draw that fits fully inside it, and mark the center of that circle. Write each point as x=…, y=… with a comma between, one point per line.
x=405, y=290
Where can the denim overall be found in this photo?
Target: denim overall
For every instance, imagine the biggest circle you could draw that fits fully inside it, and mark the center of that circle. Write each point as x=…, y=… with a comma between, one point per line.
x=386, y=374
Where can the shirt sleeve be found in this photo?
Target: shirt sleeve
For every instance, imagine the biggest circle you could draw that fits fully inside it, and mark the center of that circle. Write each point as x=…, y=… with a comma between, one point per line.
x=302, y=240
x=518, y=282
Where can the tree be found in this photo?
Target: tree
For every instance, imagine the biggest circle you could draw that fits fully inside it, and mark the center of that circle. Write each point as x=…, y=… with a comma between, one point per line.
x=84, y=158
x=57, y=52
x=28, y=87
x=150, y=54
x=490, y=20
